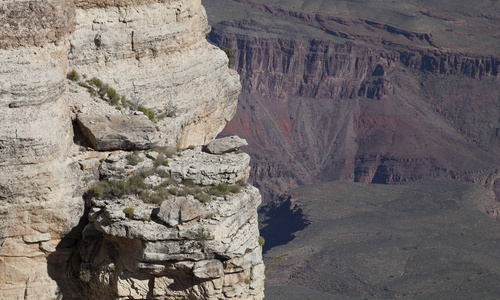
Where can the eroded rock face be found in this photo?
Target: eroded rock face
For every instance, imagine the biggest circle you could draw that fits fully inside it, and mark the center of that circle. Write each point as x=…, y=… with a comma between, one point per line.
x=155, y=52
x=193, y=243
x=119, y=132
x=44, y=174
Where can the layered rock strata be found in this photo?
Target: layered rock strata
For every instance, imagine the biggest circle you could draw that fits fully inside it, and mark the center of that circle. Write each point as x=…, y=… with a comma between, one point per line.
x=40, y=185
x=44, y=173
x=373, y=105
x=155, y=52
x=181, y=248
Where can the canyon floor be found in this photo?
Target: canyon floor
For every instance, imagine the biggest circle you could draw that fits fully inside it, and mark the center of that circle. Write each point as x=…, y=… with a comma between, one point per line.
x=425, y=240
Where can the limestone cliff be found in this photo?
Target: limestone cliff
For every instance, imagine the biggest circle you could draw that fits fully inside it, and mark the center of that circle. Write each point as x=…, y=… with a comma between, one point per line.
x=53, y=243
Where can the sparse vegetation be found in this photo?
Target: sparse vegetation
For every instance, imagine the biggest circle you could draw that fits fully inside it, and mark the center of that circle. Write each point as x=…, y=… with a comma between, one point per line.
x=133, y=158
x=160, y=160
x=96, y=87
x=73, y=76
x=85, y=275
x=262, y=241
x=233, y=188
x=147, y=112
x=129, y=211
x=219, y=190
x=203, y=235
x=170, y=110
x=230, y=56
x=167, y=151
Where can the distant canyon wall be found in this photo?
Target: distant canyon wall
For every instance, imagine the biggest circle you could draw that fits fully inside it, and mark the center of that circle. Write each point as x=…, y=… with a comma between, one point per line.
x=319, y=109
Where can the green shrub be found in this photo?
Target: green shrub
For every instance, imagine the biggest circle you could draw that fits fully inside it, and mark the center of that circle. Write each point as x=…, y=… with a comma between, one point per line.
x=262, y=241
x=239, y=151
x=135, y=184
x=248, y=280
x=173, y=190
x=96, y=82
x=230, y=56
x=108, y=189
x=129, y=211
x=202, y=197
x=160, y=160
x=234, y=188
x=191, y=147
x=85, y=275
x=220, y=189
x=133, y=158
x=188, y=182
x=73, y=76
x=147, y=112
x=203, y=235
x=182, y=192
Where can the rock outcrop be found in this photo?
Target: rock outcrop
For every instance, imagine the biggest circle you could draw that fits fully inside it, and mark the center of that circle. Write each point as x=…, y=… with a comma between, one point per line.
x=227, y=144
x=155, y=52
x=190, y=242
x=118, y=132
x=54, y=245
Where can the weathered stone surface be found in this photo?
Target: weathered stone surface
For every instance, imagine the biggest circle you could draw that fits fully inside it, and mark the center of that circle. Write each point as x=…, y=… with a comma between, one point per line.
x=119, y=132
x=227, y=144
x=207, y=269
x=209, y=169
x=155, y=52
x=35, y=23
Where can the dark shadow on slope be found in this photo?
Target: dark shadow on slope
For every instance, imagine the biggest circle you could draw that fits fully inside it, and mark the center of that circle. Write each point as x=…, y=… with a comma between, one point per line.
x=59, y=263
x=282, y=218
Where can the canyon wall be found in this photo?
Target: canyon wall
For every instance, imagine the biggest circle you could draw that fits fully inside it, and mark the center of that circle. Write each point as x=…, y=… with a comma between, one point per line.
x=155, y=53
x=358, y=108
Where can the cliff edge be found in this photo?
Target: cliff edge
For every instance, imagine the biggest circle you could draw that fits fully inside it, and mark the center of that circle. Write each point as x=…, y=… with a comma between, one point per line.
x=100, y=199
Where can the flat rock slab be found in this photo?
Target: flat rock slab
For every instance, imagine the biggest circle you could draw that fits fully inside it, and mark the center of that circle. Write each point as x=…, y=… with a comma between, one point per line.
x=227, y=144
x=119, y=132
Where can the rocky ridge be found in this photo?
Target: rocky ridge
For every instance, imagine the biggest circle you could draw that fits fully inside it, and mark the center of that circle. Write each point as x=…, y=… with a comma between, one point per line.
x=49, y=236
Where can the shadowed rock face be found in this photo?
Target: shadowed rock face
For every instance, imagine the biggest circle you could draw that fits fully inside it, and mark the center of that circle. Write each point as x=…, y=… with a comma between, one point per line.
x=361, y=99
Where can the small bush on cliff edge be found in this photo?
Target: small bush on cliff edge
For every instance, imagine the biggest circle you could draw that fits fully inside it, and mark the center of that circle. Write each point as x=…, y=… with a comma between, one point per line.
x=129, y=211
x=73, y=76
x=230, y=56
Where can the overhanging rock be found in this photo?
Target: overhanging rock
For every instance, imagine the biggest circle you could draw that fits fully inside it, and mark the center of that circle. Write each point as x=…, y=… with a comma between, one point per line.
x=119, y=132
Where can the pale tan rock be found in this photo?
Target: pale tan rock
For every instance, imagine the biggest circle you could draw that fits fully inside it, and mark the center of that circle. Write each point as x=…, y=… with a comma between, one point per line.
x=206, y=269
x=156, y=53
x=119, y=132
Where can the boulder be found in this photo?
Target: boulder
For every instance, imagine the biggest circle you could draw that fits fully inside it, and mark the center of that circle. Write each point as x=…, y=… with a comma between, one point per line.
x=119, y=132
x=227, y=144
